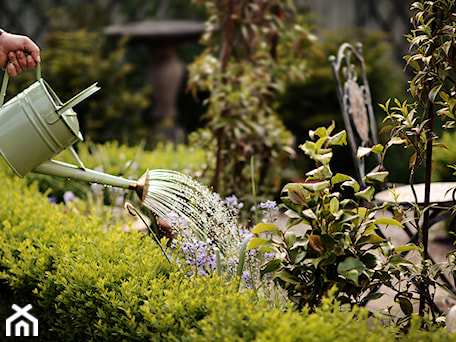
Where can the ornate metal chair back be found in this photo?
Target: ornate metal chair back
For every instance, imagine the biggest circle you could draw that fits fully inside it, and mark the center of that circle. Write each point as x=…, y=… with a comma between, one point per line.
x=355, y=102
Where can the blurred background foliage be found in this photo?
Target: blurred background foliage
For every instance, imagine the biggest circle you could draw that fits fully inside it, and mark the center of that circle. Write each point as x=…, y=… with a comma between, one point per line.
x=76, y=54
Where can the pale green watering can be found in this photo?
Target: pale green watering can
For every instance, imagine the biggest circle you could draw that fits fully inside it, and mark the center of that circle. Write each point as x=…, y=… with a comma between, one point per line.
x=35, y=126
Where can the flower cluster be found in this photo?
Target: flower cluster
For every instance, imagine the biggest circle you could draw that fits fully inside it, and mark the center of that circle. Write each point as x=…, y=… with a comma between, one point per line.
x=199, y=257
x=269, y=211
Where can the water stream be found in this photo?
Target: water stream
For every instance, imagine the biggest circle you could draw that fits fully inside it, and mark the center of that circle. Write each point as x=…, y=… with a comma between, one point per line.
x=208, y=218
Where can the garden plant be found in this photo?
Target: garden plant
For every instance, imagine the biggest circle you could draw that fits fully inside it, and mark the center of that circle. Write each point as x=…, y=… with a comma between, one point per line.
x=68, y=253
x=335, y=248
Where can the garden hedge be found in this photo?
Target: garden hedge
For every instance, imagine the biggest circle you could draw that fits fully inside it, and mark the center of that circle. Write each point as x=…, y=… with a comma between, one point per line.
x=89, y=284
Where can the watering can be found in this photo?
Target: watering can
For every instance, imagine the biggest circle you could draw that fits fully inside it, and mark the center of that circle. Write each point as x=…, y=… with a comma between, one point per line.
x=35, y=126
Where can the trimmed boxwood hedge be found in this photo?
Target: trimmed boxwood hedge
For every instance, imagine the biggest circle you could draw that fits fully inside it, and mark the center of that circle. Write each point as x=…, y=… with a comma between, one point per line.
x=89, y=285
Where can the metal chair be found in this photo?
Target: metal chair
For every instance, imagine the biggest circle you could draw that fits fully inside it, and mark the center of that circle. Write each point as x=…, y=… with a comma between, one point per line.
x=355, y=102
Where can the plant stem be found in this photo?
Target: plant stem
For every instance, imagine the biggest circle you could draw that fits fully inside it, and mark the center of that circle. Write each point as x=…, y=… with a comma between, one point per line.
x=252, y=176
x=226, y=51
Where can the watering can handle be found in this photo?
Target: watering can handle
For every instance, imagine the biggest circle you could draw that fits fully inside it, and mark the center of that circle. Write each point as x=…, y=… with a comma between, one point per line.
x=6, y=79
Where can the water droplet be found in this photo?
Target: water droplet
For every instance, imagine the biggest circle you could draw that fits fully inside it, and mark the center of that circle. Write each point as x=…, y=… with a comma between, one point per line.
x=208, y=218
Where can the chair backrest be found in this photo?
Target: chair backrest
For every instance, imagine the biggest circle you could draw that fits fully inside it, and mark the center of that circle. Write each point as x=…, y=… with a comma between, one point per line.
x=355, y=102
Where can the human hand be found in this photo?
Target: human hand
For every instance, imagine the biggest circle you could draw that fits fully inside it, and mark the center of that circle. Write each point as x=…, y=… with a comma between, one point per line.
x=20, y=51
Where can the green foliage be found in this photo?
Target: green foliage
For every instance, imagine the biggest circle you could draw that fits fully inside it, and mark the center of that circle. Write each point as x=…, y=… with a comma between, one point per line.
x=335, y=242
x=245, y=65
x=445, y=159
x=75, y=60
x=434, y=56
x=313, y=102
x=89, y=284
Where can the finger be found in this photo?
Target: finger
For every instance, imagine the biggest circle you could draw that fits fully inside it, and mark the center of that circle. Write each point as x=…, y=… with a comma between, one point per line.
x=21, y=59
x=33, y=49
x=12, y=57
x=36, y=56
x=15, y=63
x=30, y=62
x=14, y=67
x=12, y=70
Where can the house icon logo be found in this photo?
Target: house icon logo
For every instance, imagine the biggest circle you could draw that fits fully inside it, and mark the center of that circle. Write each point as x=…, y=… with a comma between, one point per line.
x=21, y=322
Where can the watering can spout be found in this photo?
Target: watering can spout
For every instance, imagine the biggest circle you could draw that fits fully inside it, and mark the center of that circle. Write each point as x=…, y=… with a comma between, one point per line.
x=65, y=170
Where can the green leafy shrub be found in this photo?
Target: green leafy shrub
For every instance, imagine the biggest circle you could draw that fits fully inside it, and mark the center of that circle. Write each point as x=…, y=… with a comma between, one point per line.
x=89, y=285
x=338, y=243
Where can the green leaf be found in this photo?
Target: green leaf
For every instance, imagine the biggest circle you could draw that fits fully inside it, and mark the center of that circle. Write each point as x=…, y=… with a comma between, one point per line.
x=328, y=242
x=309, y=213
x=322, y=172
x=396, y=141
x=377, y=148
x=339, y=178
x=270, y=267
x=324, y=158
x=268, y=249
x=363, y=151
x=372, y=296
x=371, y=238
x=407, y=248
x=388, y=222
x=334, y=205
x=366, y=194
x=352, y=184
x=320, y=132
x=297, y=255
x=406, y=305
x=256, y=242
x=351, y=268
x=379, y=176
x=319, y=144
x=287, y=277
x=264, y=227
x=338, y=139
x=316, y=186
x=290, y=238
x=433, y=93
x=397, y=260
x=296, y=193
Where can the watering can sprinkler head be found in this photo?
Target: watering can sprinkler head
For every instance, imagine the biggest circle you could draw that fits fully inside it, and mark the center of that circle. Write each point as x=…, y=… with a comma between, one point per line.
x=141, y=186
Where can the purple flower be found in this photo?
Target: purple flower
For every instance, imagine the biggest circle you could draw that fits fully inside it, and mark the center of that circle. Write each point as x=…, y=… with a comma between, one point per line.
x=68, y=197
x=247, y=279
x=97, y=189
x=269, y=205
x=232, y=203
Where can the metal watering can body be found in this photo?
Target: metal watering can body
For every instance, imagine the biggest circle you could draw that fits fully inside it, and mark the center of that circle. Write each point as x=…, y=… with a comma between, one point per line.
x=35, y=126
